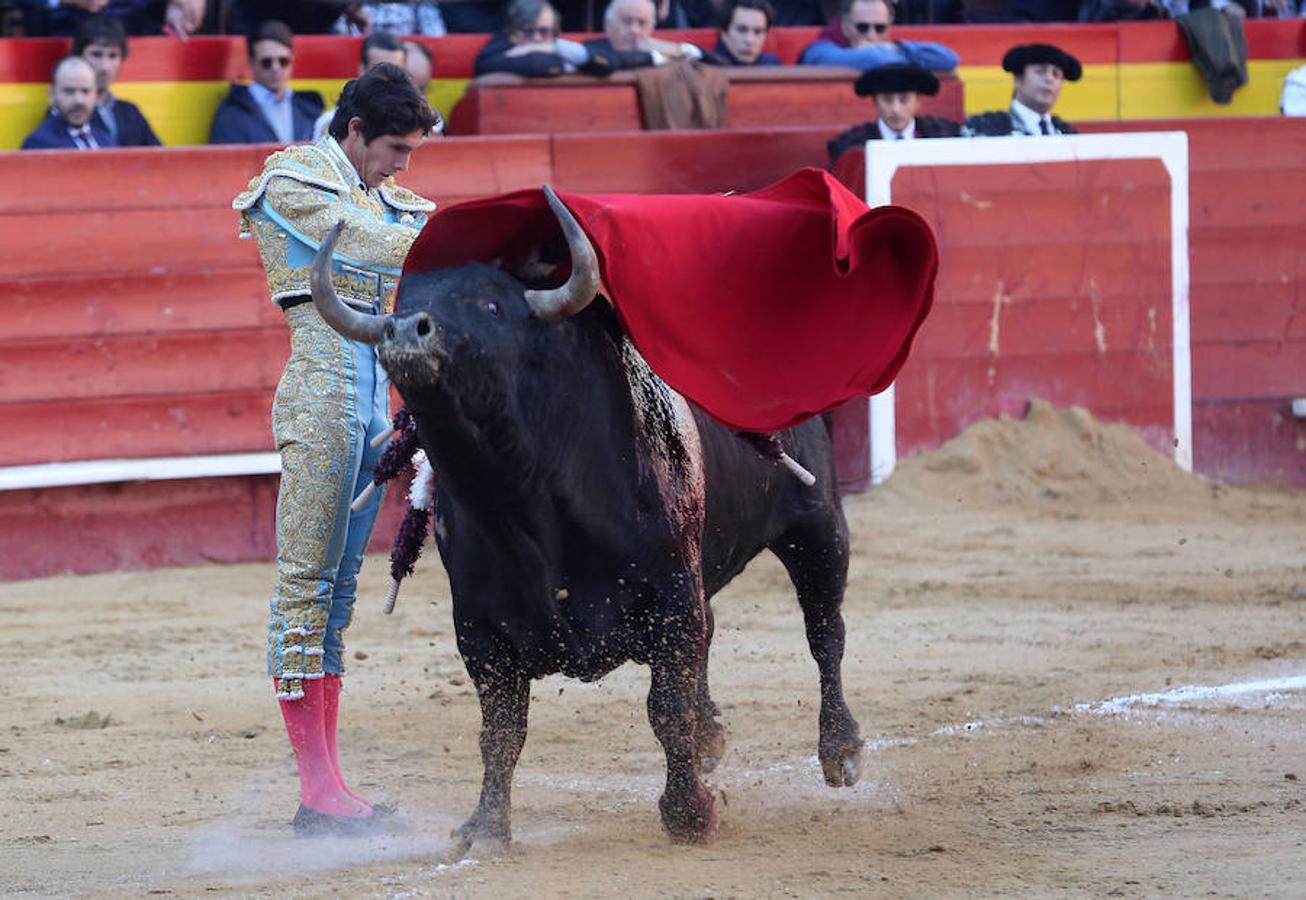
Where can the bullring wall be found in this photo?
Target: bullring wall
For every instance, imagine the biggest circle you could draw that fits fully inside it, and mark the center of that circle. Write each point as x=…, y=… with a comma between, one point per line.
x=1137, y=70
x=137, y=325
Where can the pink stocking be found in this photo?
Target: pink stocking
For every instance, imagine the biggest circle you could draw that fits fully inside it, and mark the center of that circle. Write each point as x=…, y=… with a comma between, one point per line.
x=320, y=788
x=331, y=713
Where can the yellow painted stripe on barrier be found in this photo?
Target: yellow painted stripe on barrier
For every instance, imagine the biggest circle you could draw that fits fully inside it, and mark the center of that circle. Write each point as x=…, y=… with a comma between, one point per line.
x=179, y=111
x=1176, y=90
x=22, y=106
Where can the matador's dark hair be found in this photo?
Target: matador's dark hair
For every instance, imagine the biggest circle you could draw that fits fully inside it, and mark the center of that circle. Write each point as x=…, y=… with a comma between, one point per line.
x=387, y=101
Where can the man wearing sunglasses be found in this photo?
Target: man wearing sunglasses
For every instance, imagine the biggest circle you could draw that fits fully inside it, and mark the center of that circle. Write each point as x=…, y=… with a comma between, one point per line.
x=530, y=46
x=267, y=111
x=859, y=39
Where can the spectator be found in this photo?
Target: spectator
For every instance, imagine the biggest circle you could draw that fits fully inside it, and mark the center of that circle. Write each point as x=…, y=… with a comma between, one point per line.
x=267, y=111
x=859, y=39
x=530, y=46
x=420, y=65
x=378, y=47
x=628, y=41
x=63, y=17
x=102, y=42
x=1038, y=72
x=897, y=91
x=71, y=123
x=743, y=34
x=412, y=17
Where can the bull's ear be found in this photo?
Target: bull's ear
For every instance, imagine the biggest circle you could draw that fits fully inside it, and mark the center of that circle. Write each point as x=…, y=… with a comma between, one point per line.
x=534, y=268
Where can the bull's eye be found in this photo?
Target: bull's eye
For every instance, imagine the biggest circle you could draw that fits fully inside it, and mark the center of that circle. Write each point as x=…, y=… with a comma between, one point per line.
x=492, y=308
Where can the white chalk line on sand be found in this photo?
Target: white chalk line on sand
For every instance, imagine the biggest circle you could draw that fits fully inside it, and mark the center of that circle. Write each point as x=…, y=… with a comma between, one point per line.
x=1271, y=693
x=1274, y=689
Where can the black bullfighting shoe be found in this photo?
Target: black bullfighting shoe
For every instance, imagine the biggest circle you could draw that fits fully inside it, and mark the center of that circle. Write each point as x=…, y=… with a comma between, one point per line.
x=311, y=823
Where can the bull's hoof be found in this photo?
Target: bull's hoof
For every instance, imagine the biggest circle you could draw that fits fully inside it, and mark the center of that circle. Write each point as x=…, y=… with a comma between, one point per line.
x=711, y=744
x=477, y=832
x=843, y=768
x=691, y=820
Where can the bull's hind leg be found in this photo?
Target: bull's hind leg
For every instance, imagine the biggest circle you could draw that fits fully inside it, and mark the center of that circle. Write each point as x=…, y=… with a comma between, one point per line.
x=816, y=557
x=505, y=694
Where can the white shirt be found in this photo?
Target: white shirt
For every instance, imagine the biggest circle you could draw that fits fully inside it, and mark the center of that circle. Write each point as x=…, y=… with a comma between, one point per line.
x=1029, y=120
x=907, y=134
x=332, y=146
x=276, y=111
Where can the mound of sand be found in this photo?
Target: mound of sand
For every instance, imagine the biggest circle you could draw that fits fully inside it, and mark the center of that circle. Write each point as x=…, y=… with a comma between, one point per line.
x=1049, y=455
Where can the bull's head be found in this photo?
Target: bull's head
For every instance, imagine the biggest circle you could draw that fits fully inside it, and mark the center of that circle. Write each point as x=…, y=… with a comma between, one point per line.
x=548, y=305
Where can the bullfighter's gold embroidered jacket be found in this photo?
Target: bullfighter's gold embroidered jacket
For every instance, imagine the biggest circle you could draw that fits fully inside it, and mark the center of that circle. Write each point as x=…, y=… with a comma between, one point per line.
x=301, y=194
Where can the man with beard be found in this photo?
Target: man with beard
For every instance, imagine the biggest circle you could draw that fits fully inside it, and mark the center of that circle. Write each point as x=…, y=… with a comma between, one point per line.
x=102, y=42
x=70, y=124
x=897, y=91
x=1038, y=72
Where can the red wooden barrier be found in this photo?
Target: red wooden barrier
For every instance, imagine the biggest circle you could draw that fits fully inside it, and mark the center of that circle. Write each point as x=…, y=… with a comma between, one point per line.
x=770, y=97
x=110, y=350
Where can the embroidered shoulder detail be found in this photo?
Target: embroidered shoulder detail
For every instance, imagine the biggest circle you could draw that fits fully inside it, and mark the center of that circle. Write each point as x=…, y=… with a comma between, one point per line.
x=404, y=199
x=305, y=163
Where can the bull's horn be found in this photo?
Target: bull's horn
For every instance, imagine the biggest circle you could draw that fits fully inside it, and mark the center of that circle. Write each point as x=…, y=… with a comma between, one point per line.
x=351, y=323
x=583, y=285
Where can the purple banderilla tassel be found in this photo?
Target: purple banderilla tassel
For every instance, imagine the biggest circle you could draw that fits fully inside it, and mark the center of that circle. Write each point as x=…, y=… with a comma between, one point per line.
x=400, y=450
x=408, y=542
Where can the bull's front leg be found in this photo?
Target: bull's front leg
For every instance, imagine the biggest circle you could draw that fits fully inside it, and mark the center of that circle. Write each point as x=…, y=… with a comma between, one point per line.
x=688, y=809
x=505, y=694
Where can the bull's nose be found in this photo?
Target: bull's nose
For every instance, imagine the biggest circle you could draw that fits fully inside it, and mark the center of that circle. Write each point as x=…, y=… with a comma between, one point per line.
x=389, y=329
x=423, y=325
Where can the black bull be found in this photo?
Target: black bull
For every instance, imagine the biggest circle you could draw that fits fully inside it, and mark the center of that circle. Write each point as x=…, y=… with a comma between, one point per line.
x=586, y=513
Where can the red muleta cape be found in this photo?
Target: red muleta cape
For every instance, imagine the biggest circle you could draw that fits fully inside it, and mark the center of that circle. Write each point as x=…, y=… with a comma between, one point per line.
x=764, y=309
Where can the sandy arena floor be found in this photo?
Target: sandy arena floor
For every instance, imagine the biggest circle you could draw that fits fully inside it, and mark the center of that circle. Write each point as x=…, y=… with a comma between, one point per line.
x=1079, y=672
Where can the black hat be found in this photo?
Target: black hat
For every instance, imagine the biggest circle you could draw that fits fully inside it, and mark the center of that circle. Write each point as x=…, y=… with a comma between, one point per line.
x=896, y=79
x=1028, y=54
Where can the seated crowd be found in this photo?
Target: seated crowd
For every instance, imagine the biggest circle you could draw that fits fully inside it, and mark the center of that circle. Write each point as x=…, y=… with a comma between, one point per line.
x=85, y=114
x=438, y=17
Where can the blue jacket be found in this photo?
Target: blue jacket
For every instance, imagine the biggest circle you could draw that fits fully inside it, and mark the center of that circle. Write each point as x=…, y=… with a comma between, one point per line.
x=728, y=59
x=240, y=121
x=919, y=53
x=133, y=130
x=52, y=134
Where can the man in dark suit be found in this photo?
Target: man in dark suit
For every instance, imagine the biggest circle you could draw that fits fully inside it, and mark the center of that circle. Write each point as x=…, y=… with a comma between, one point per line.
x=743, y=34
x=530, y=46
x=897, y=91
x=102, y=42
x=1038, y=73
x=628, y=41
x=70, y=124
x=267, y=111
